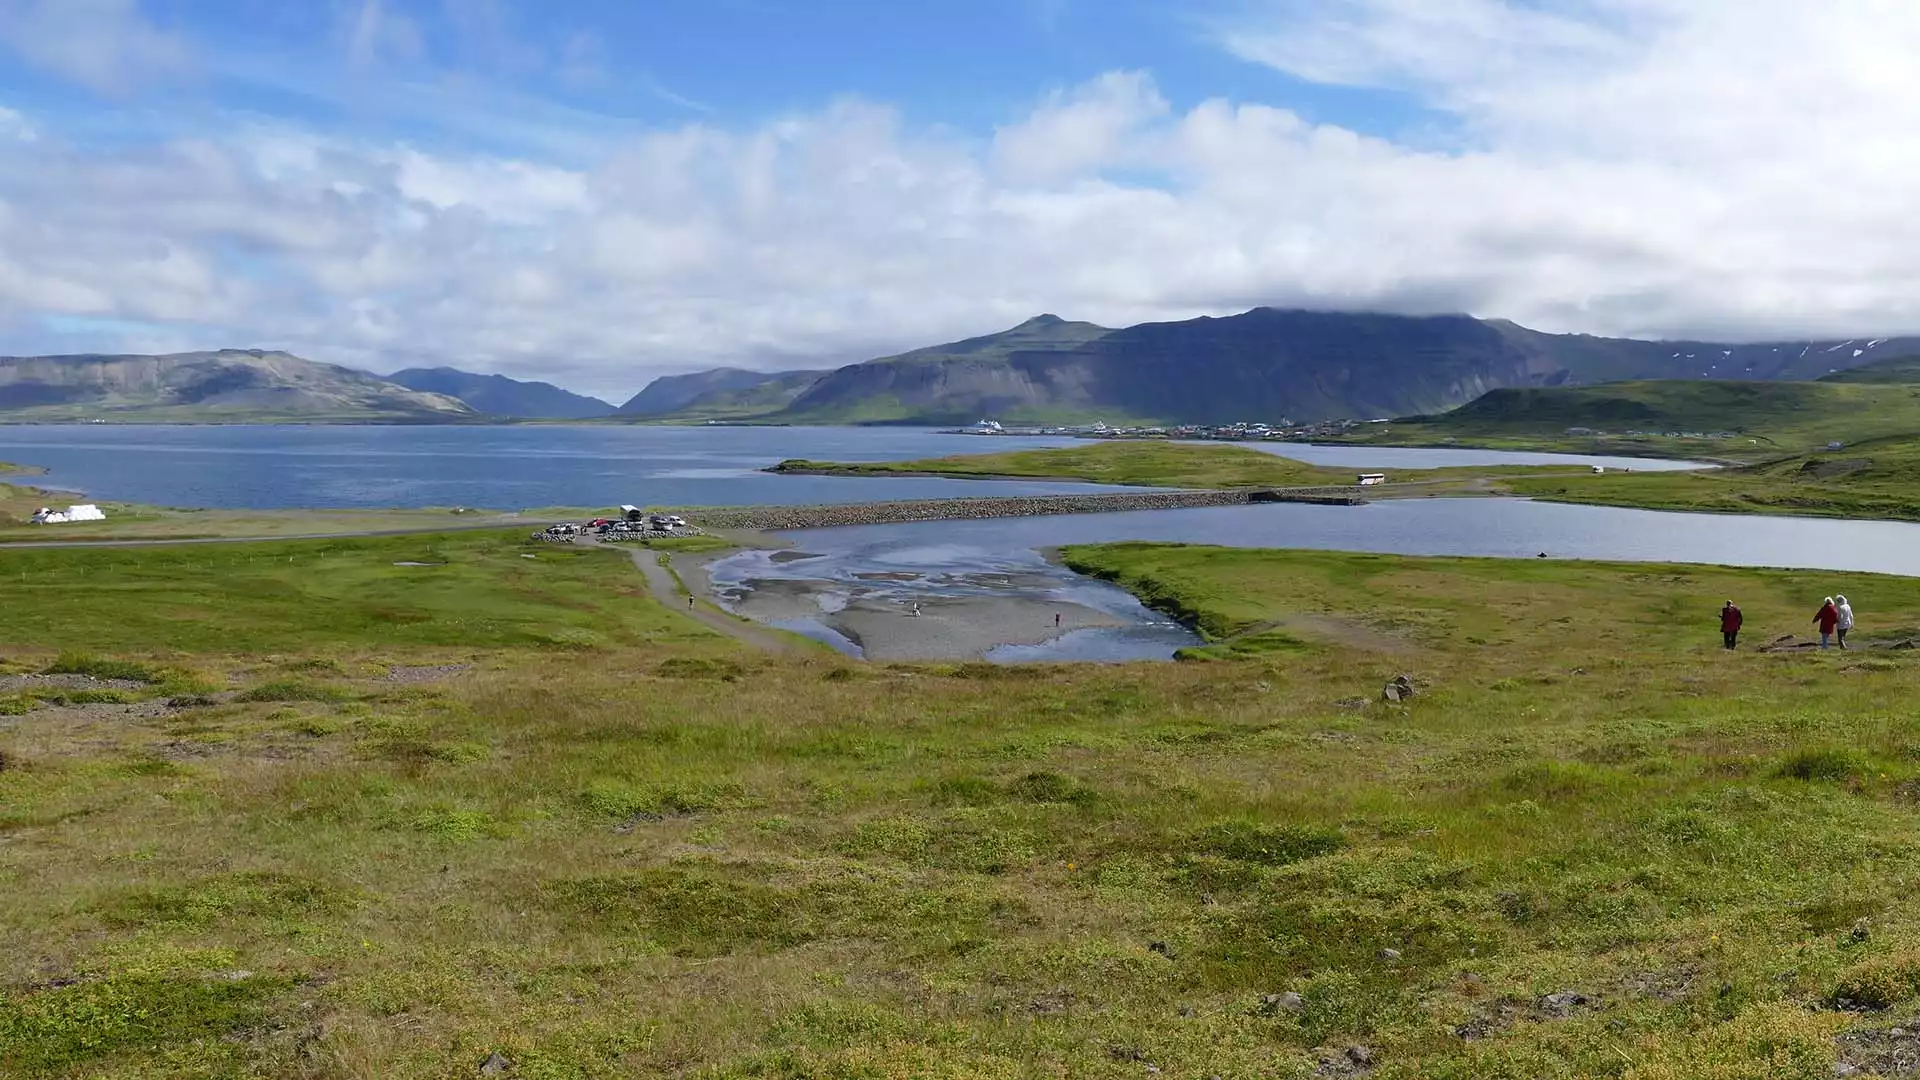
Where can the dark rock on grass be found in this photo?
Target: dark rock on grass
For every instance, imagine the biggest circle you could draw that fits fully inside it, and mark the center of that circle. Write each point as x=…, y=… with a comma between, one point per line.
x=1051, y=1004
x=1887, y=1051
x=1400, y=689
x=1274, y=1004
x=1563, y=1004
x=496, y=1065
x=1353, y=1061
x=1498, y=1016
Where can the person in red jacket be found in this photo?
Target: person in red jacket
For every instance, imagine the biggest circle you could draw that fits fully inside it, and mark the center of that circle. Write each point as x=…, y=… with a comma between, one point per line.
x=1730, y=620
x=1826, y=619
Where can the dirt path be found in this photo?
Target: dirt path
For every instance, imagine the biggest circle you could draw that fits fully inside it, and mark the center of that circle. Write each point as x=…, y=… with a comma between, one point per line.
x=661, y=583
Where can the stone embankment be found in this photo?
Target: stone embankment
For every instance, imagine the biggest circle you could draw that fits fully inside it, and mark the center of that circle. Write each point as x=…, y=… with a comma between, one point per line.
x=780, y=518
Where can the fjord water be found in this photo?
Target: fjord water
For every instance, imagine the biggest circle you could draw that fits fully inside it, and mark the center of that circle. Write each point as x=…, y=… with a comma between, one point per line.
x=518, y=467
x=497, y=468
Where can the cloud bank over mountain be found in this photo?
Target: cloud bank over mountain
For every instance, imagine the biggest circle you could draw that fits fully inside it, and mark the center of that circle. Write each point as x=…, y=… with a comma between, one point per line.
x=1731, y=169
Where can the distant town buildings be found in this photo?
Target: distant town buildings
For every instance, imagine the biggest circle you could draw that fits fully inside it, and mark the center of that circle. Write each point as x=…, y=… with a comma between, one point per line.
x=1285, y=430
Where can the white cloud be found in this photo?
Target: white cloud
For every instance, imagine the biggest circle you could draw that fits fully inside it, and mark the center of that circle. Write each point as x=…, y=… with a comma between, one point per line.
x=1092, y=128
x=1714, y=167
x=14, y=125
x=108, y=46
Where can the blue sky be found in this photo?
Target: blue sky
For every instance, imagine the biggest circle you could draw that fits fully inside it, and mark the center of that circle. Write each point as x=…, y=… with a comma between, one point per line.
x=476, y=75
x=596, y=191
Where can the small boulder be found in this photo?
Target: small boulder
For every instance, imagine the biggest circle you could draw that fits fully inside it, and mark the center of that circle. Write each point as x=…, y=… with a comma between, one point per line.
x=1563, y=1004
x=1390, y=955
x=495, y=1065
x=1273, y=1004
x=1400, y=689
x=1360, y=1056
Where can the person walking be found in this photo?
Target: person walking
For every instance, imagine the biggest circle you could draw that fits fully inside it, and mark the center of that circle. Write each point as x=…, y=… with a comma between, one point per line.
x=1730, y=622
x=1845, y=623
x=1827, y=618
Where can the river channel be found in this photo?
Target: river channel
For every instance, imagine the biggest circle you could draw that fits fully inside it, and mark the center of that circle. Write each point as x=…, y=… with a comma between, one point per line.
x=880, y=566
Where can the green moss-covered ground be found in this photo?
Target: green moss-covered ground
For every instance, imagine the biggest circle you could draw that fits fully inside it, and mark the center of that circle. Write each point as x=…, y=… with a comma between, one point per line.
x=541, y=817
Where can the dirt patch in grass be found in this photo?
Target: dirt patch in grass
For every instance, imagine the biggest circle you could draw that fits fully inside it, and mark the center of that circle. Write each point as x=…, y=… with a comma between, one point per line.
x=403, y=673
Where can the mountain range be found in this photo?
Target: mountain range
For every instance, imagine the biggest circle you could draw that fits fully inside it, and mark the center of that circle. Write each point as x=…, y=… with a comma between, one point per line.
x=1270, y=364
x=227, y=385
x=497, y=395
x=1263, y=365
x=720, y=391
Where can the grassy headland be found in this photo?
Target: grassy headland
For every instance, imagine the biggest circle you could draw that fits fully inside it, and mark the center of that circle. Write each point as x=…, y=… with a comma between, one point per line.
x=1706, y=419
x=1878, y=478
x=1163, y=464
x=342, y=818
x=1874, y=479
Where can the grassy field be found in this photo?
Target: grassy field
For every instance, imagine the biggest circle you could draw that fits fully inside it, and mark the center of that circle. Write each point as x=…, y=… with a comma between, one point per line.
x=1167, y=464
x=1765, y=419
x=382, y=821
x=1875, y=479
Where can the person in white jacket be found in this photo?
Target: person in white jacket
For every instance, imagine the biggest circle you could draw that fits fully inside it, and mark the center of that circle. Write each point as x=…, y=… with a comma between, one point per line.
x=1846, y=618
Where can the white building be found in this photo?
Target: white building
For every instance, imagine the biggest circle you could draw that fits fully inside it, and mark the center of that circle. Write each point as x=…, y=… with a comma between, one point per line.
x=46, y=515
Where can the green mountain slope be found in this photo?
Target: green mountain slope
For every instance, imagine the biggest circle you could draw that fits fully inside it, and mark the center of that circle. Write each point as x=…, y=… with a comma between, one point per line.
x=1899, y=369
x=1788, y=414
x=1029, y=373
x=497, y=395
x=230, y=385
x=722, y=390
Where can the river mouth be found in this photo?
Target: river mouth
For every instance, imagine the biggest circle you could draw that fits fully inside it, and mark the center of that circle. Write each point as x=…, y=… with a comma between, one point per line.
x=987, y=581
x=933, y=601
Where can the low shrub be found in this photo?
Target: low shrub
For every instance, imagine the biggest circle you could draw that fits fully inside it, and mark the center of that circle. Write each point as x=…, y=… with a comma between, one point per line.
x=1266, y=845
x=74, y=663
x=53, y=1032
x=1878, y=984
x=293, y=690
x=1830, y=764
